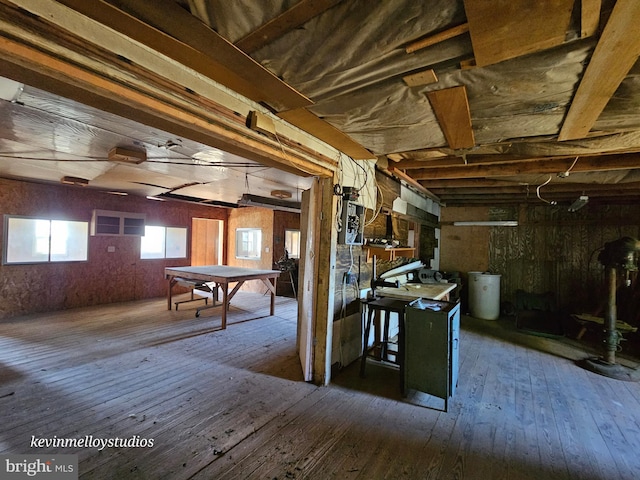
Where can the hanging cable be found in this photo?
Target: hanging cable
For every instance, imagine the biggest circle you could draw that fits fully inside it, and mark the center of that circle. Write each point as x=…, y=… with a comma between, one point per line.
x=565, y=174
x=552, y=202
x=379, y=208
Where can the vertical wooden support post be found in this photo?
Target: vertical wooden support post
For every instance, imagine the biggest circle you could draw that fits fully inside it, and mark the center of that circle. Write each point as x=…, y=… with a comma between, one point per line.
x=323, y=328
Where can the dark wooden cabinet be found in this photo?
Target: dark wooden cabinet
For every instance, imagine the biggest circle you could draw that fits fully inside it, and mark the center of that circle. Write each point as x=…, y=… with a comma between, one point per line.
x=432, y=341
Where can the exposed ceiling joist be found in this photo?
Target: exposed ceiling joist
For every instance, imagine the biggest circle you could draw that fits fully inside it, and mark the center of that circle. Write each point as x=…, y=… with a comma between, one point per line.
x=596, y=163
x=617, y=51
x=310, y=123
x=556, y=188
x=411, y=181
x=452, y=110
x=297, y=15
x=490, y=159
x=169, y=29
x=348, y=56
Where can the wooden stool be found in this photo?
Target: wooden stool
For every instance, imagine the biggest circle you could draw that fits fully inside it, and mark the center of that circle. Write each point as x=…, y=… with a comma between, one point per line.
x=387, y=306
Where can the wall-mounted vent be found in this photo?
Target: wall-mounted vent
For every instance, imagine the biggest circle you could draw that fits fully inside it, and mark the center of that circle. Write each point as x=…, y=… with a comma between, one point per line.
x=107, y=222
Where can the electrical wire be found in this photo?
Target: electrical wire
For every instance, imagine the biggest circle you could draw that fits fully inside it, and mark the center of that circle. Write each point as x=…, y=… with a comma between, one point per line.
x=379, y=209
x=552, y=202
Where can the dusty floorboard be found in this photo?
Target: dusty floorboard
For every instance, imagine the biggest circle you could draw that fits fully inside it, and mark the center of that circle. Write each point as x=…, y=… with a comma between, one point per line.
x=231, y=404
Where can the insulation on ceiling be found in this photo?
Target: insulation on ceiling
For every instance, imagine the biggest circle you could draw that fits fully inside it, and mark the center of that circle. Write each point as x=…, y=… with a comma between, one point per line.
x=350, y=61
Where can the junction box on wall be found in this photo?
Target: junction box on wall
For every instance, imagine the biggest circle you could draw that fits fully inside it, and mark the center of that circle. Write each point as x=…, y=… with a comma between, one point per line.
x=352, y=218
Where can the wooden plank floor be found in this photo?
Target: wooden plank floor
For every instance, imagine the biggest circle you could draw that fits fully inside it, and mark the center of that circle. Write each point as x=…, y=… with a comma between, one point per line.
x=231, y=404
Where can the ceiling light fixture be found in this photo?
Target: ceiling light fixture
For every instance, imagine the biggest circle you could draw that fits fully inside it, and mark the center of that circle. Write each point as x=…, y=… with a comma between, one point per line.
x=280, y=194
x=248, y=200
x=489, y=223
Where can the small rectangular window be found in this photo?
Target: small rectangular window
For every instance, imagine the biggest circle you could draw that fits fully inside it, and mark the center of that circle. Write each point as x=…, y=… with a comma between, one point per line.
x=248, y=243
x=176, y=244
x=163, y=242
x=37, y=240
x=292, y=243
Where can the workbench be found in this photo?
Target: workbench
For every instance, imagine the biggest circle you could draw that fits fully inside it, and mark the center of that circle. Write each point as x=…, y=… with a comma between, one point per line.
x=222, y=276
x=377, y=312
x=411, y=291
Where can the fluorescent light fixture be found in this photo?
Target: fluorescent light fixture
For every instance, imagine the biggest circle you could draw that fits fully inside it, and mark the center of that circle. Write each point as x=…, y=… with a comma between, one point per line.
x=69, y=180
x=248, y=200
x=490, y=223
x=581, y=201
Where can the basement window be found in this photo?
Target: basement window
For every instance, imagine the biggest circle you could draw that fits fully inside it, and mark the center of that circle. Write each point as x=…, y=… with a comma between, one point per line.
x=248, y=243
x=39, y=240
x=163, y=242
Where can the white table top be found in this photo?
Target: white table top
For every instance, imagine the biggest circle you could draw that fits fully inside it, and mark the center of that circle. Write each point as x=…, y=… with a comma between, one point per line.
x=410, y=291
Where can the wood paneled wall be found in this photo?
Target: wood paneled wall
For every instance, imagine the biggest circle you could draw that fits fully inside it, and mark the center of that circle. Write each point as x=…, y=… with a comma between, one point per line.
x=107, y=276
x=252, y=217
x=552, y=249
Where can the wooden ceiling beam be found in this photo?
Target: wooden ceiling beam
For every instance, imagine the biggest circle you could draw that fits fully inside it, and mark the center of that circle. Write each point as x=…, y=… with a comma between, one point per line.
x=451, y=161
x=165, y=27
x=556, y=188
x=289, y=20
x=314, y=125
x=616, y=52
x=490, y=159
x=403, y=176
x=588, y=164
x=451, y=108
x=466, y=183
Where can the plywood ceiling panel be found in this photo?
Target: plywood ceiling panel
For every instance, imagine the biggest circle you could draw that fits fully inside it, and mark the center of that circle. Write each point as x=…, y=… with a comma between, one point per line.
x=504, y=29
x=452, y=110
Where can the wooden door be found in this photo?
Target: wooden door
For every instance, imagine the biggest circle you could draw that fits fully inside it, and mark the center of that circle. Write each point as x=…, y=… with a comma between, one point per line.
x=206, y=241
x=307, y=280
